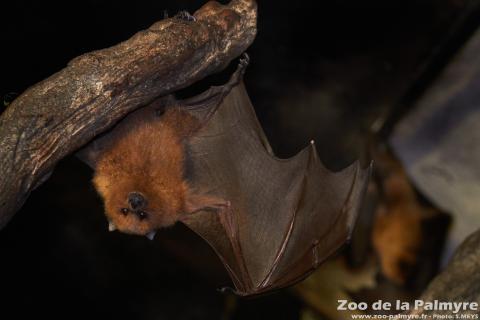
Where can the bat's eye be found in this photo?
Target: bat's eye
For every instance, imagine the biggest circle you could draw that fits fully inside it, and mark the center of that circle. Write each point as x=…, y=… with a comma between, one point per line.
x=124, y=211
x=142, y=215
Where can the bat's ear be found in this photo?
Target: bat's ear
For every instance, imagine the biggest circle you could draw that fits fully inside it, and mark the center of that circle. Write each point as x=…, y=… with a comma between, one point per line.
x=92, y=152
x=196, y=202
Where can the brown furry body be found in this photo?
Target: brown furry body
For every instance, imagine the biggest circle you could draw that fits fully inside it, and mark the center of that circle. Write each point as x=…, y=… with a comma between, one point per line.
x=147, y=157
x=397, y=233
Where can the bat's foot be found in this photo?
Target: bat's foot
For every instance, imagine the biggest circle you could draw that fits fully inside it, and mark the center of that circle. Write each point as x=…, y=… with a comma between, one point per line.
x=185, y=15
x=242, y=65
x=244, y=61
x=238, y=74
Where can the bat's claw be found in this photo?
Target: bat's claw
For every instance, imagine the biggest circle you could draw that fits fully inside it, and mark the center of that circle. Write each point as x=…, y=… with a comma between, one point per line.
x=244, y=61
x=185, y=15
x=238, y=74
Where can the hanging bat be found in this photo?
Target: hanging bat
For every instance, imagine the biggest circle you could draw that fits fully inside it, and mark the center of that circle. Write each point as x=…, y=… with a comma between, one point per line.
x=206, y=162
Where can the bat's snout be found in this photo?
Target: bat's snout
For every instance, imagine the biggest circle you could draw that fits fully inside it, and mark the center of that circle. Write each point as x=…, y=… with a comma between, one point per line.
x=136, y=200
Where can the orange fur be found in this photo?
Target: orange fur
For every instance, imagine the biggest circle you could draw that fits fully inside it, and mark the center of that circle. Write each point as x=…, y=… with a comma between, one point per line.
x=397, y=232
x=397, y=237
x=148, y=157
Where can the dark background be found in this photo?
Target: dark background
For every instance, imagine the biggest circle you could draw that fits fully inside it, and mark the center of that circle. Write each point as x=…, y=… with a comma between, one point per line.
x=323, y=70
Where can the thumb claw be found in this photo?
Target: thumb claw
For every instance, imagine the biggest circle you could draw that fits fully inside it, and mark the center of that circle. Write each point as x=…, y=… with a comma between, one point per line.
x=227, y=290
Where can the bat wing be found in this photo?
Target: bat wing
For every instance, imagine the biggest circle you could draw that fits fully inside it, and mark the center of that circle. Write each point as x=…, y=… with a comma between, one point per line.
x=286, y=216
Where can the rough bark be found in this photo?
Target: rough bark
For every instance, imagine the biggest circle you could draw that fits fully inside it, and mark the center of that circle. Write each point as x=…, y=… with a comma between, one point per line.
x=63, y=112
x=460, y=281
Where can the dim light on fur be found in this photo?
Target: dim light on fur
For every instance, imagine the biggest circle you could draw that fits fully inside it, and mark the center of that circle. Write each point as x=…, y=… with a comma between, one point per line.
x=141, y=176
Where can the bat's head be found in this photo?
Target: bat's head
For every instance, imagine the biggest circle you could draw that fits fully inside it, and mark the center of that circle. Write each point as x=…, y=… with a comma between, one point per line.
x=141, y=175
x=134, y=205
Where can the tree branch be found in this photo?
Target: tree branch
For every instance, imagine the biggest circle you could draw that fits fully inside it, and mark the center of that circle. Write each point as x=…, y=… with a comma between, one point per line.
x=65, y=111
x=460, y=281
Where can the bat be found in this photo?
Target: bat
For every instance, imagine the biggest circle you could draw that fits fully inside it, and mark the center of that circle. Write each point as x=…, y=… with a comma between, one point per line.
x=400, y=233
x=271, y=221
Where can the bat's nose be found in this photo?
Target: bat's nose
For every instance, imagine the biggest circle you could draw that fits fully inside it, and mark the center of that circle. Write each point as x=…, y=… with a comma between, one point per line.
x=136, y=200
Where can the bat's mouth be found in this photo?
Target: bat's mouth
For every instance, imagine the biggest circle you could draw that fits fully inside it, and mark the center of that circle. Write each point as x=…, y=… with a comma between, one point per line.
x=151, y=235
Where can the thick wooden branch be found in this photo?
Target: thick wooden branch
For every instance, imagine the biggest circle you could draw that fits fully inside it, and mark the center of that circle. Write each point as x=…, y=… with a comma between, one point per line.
x=460, y=281
x=62, y=113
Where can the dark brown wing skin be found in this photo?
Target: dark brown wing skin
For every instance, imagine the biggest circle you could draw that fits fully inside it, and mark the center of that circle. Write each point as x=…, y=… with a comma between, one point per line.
x=286, y=215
